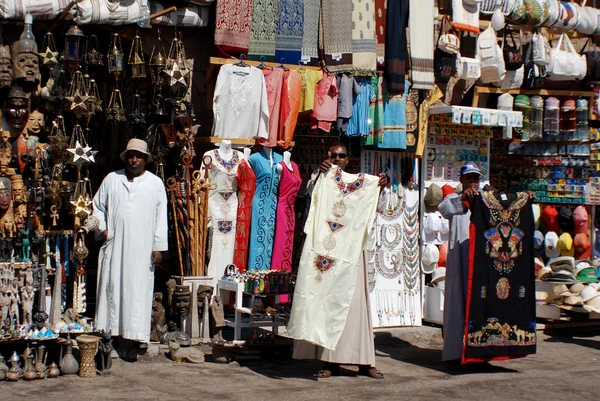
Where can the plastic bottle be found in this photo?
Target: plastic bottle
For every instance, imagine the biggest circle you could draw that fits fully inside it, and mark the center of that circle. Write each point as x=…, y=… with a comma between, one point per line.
x=536, y=118
x=551, y=114
x=523, y=104
x=583, y=131
x=568, y=120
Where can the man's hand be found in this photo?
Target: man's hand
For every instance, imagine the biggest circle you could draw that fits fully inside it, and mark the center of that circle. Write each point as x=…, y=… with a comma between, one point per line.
x=156, y=257
x=326, y=165
x=469, y=192
x=531, y=195
x=383, y=180
x=105, y=234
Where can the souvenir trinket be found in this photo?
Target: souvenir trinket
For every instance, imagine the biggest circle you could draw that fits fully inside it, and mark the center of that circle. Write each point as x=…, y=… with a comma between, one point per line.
x=74, y=48
x=16, y=110
x=137, y=116
x=115, y=57
x=77, y=97
x=136, y=58
x=158, y=61
x=6, y=67
x=26, y=57
x=178, y=74
x=115, y=110
x=93, y=57
x=49, y=54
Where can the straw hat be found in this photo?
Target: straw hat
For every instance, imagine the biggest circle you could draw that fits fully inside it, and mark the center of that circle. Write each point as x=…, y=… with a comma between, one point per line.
x=138, y=145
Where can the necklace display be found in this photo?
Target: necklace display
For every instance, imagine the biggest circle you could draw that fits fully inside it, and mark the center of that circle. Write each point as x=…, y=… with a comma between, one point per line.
x=410, y=249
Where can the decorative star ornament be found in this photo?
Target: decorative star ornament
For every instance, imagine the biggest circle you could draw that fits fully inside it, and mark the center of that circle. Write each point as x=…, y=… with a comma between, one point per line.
x=79, y=152
x=77, y=105
x=178, y=81
x=49, y=58
x=91, y=154
x=82, y=205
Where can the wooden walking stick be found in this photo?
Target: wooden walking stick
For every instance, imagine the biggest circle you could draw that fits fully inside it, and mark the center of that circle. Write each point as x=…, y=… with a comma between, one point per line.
x=203, y=206
x=172, y=189
x=186, y=161
x=196, y=184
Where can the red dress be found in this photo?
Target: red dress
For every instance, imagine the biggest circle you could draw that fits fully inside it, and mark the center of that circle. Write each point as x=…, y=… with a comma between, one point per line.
x=246, y=184
x=289, y=186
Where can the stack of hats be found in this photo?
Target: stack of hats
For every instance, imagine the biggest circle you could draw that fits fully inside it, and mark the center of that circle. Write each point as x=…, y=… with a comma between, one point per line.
x=577, y=295
x=429, y=258
x=433, y=197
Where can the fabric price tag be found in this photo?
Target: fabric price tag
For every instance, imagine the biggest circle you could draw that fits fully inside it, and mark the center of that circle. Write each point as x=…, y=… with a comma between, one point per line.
x=456, y=113
x=337, y=56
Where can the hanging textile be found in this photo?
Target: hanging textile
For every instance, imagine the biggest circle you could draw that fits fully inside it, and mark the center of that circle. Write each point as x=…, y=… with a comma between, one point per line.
x=310, y=79
x=289, y=185
x=310, y=33
x=288, y=30
x=262, y=31
x=326, y=101
x=394, y=120
x=337, y=34
x=412, y=120
x=364, y=40
x=232, y=26
x=380, y=26
x=247, y=184
x=335, y=230
x=264, y=207
x=348, y=90
x=359, y=122
x=421, y=43
x=240, y=104
x=290, y=107
x=465, y=16
x=500, y=316
x=274, y=82
x=222, y=210
x=376, y=117
x=395, y=45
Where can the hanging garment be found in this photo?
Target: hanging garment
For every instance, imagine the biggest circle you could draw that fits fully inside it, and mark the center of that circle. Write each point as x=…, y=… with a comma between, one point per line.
x=394, y=120
x=288, y=30
x=376, y=117
x=421, y=46
x=232, y=26
x=359, y=122
x=290, y=107
x=289, y=185
x=342, y=210
x=310, y=78
x=135, y=216
x=274, y=82
x=395, y=45
x=222, y=210
x=412, y=120
x=326, y=100
x=247, y=184
x=348, y=90
x=380, y=25
x=364, y=40
x=500, y=314
x=264, y=206
x=240, y=104
x=262, y=29
x=310, y=33
x=337, y=34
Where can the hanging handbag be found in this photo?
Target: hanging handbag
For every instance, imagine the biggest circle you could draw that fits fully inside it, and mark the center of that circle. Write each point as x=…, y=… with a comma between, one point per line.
x=535, y=75
x=593, y=63
x=512, y=79
x=588, y=20
x=513, y=55
x=445, y=65
x=490, y=56
x=448, y=40
x=565, y=64
x=468, y=68
x=540, y=48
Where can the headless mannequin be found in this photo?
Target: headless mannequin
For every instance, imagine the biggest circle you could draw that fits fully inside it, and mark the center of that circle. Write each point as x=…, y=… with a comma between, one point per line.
x=225, y=150
x=247, y=152
x=287, y=160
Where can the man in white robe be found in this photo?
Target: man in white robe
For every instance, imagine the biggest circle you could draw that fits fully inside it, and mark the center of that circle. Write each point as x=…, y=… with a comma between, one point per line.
x=356, y=345
x=131, y=206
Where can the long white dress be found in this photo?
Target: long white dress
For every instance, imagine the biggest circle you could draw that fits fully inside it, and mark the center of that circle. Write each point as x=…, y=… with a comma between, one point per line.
x=135, y=215
x=342, y=209
x=240, y=104
x=222, y=211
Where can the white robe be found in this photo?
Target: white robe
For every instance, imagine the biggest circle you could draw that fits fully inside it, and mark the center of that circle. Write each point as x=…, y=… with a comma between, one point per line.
x=135, y=215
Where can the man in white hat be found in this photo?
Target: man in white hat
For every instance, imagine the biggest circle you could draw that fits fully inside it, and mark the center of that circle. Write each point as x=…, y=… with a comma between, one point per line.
x=131, y=206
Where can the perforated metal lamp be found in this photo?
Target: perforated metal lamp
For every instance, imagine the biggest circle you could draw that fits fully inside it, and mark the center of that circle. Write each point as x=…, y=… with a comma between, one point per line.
x=74, y=44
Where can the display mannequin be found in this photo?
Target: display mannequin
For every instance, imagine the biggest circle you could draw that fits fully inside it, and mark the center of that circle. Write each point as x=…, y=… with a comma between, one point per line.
x=247, y=153
x=225, y=149
x=287, y=159
x=269, y=154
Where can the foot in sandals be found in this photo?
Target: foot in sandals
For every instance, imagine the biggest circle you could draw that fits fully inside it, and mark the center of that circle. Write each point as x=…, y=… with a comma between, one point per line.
x=370, y=371
x=330, y=369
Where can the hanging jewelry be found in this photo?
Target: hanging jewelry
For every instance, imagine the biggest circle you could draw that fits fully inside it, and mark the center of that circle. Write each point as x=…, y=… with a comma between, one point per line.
x=115, y=110
x=49, y=54
x=136, y=58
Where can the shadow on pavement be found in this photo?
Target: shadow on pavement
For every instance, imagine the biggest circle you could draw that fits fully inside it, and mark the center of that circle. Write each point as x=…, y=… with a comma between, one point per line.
x=568, y=338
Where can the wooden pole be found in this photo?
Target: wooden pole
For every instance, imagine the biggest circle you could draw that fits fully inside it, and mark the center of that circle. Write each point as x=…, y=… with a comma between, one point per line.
x=172, y=188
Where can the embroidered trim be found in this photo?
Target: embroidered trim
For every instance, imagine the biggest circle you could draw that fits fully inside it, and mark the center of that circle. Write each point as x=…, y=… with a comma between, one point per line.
x=323, y=264
x=334, y=226
x=227, y=165
x=347, y=189
x=496, y=334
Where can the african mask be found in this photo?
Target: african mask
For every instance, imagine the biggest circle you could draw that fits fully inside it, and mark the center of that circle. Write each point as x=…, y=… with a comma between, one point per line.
x=5, y=193
x=16, y=110
x=25, y=59
x=18, y=188
x=182, y=300
x=6, y=69
x=35, y=125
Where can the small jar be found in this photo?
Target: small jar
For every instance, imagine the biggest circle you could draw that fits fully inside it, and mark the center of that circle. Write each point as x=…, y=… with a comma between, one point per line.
x=536, y=118
x=568, y=120
x=582, y=131
x=551, y=118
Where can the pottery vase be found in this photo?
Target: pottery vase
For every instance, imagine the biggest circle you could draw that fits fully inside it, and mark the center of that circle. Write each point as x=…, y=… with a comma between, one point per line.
x=3, y=369
x=68, y=364
x=13, y=374
x=53, y=371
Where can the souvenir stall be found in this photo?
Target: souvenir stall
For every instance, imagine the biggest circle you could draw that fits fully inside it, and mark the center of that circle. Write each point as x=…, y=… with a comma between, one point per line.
x=67, y=85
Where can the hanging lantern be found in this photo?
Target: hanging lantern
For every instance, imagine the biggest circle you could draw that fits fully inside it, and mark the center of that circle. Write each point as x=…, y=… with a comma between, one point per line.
x=158, y=60
x=115, y=56
x=93, y=101
x=137, y=116
x=77, y=98
x=136, y=58
x=49, y=54
x=93, y=57
x=178, y=74
x=115, y=110
x=74, y=47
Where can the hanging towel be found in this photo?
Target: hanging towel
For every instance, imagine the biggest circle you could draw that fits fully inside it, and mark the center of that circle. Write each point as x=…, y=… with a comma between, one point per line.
x=395, y=45
x=421, y=43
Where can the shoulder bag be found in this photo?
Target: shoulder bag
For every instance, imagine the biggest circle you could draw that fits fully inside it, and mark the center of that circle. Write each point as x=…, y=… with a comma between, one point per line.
x=565, y=63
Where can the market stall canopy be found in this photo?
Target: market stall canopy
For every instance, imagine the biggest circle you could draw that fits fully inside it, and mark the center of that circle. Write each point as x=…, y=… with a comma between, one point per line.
x=106, y=12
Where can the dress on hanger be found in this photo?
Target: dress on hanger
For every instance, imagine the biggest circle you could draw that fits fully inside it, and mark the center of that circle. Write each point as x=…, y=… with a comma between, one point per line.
x=290, y=107
x=394, y=119
x=274, y=81
x=359, y=122
x=326, y=98
x=310, y=78
x=264, y=207
x=246, y=184
x=289, y=186
x=222, y=209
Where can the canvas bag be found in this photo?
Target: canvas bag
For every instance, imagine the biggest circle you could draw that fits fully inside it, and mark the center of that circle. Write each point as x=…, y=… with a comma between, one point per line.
x=593, y=63
x=448, y=41
x=513, y=54
x=468, y=68
x=490, y=57
x=565, y=64
x=535, y=75
x=588, y=20
x=541, y=49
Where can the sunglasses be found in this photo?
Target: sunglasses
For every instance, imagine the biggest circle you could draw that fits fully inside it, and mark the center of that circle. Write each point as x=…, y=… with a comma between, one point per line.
x=340, y=155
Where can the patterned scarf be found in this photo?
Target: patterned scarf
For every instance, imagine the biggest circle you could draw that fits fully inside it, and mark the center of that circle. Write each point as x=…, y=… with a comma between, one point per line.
x=364, y=39
x=262, y=33
x=310, y=35
x=421, y=43
x=288, y=31
x=395, y=45
x=336, y=34
x=380, y=20
x=232, y=26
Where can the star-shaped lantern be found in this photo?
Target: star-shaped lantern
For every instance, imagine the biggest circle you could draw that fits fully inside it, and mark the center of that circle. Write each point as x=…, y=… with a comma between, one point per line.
x=80, y=153
x=77, y=104
x=49, y=58
x=178, y=80
x=82, y=205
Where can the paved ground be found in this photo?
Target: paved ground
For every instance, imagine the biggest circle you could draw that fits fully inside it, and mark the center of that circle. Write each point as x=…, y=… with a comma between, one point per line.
x=565, y=367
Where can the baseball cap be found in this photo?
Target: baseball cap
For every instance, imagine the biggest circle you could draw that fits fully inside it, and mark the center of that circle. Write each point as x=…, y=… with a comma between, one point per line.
x=538, y=243
x=432, y=224
x=549, y=215
x=539, y=264
x=585, y=271
x=565, y=243
x=551, y=242
x=580, y=217
x=582, y=246
x=447, y=190
x=432, y=198
x=468, y=168
x=565, y=219
x=430, y=257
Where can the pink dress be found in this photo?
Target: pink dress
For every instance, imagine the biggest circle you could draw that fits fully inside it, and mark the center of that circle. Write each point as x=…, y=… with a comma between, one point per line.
x=326, y=102
x=286, y=219
x=274, y=82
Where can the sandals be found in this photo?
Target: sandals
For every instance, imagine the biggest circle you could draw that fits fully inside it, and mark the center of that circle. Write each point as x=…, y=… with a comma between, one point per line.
x=371, y=372
x=330, y=369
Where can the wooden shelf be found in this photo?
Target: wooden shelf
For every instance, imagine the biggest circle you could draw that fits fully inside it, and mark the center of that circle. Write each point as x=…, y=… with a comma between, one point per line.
x=223, y=61
x=540, y=92
x=234, y=141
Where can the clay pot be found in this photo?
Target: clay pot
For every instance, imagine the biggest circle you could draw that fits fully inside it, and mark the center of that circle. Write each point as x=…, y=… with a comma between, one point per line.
x=53, y=371
x=13, y=374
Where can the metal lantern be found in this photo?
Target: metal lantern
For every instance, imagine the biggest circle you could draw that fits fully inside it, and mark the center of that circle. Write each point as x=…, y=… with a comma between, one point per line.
x=178, y=75
x=93, y=57
x=115, y=56
x=74, y=44
x=49, y=54
x=115, y=110
x=136, y=58
x=158, y=60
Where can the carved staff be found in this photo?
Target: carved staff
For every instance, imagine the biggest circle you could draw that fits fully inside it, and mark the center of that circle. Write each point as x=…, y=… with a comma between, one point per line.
x=186, y=160
x=196, y=184
x=172, y=188
x=203, y=208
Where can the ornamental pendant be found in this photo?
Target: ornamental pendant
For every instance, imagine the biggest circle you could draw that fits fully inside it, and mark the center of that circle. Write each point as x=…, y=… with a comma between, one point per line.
x=329, y=242
x=339, y=209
